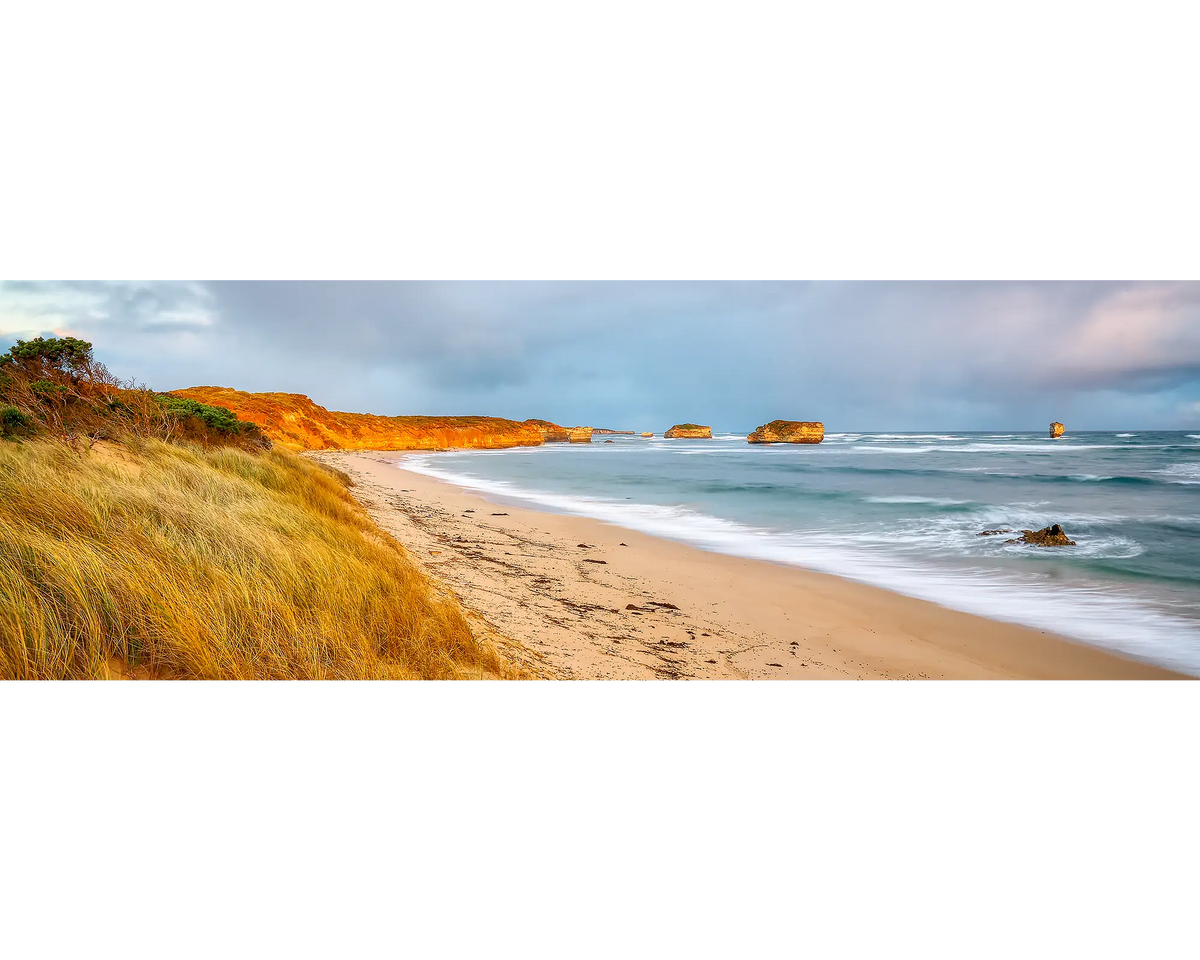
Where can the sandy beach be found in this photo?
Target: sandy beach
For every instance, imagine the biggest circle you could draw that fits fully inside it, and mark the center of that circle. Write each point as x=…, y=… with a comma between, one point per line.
x=575, y=598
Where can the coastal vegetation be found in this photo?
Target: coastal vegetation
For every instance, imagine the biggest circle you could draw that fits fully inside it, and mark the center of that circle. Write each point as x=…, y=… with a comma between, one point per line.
x=53, y=387
x=152, y=537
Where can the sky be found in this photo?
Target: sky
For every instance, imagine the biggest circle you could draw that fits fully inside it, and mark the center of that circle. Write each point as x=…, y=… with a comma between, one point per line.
x=641, y=356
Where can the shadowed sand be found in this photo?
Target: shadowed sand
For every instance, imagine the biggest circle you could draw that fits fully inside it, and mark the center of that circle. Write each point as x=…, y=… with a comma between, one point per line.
x=553, y=592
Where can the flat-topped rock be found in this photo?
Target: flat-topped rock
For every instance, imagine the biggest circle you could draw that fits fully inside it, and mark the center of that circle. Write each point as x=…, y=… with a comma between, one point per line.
x=580, y=435
x=689, y=431
x=551, y=432
x=789, y=431
x=647, y=434
x=1056, y=430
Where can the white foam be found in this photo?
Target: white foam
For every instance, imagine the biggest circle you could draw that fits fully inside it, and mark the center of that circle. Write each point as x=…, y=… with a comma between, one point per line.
x=936, y=501
x=1188, y=473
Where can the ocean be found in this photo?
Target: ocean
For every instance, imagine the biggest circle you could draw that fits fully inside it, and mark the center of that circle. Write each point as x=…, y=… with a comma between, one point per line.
x=904, y=511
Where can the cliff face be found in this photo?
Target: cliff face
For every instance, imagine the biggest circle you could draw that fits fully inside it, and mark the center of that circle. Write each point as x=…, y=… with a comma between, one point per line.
x=580, y=434
x=599, y=432
x=551, y=432
x=294, y=422
x=689, y=431
x=789, y=431
x=1056, y=429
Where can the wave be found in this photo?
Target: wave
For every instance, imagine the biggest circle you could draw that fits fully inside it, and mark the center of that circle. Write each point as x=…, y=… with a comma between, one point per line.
x=1188, y=473
x=1104, y=615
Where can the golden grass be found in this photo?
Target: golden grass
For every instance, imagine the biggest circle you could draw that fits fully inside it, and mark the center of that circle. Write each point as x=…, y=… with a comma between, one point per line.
x=168, y=561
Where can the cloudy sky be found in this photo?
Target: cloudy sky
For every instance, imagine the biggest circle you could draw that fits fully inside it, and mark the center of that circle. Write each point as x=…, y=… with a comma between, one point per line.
x=859, y=356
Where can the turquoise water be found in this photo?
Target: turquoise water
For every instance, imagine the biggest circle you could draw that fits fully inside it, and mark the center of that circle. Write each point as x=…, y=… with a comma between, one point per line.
x=903, y=511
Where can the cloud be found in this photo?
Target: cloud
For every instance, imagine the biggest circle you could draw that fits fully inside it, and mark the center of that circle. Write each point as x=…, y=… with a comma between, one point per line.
x=861, y=355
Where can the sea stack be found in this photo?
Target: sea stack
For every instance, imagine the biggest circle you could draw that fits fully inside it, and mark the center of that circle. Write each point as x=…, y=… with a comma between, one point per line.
x=789, y=431
x=580, y=435
x=1056, y=430
x=647, y=434
x=551, y=432
x=689, y=431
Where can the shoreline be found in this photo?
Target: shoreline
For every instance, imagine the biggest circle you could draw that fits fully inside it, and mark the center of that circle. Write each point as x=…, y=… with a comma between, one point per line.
x=552, y=590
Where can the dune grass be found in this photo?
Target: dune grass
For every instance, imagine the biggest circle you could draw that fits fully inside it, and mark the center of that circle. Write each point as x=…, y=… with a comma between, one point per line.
x=170, y=561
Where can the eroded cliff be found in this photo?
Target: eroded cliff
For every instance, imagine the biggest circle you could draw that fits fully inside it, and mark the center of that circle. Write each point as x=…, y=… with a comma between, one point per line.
x=789, y=431
x=551, y=432
x=294, y=422
x=689, y=431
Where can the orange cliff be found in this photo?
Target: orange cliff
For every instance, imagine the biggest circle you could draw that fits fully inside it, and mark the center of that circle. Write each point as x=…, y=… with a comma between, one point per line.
x=294, y=422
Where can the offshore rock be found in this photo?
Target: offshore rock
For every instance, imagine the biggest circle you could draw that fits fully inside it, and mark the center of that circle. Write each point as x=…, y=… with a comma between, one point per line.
x=551, y=432
x=1052, y=536
x=689, y=431
x=600, y=432
x=1056, y=430
x=647, y=434
x=580, y=435
x=788, y=431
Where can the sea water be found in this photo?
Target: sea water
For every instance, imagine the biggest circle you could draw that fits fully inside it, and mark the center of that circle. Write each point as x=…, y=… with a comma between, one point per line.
x=904, y=511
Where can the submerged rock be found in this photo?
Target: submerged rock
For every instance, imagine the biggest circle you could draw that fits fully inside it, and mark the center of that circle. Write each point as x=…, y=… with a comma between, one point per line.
x=1056, y=430
x=580, y=434
x=689, y=431
x=992, y=533
x=789, y=431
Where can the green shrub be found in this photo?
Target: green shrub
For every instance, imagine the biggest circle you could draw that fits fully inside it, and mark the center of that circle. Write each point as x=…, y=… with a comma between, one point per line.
x=220, y=419
x=14, y=423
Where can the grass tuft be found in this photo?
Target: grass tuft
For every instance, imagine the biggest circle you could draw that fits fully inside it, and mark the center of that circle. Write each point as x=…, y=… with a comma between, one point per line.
x=157, y=560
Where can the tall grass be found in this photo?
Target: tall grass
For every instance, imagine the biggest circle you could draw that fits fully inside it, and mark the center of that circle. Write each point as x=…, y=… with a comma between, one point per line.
x=169, y=561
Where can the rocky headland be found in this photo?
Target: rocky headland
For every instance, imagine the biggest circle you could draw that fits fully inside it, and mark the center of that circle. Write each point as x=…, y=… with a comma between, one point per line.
x=789, y=431
x=689, y=431
x=551, y=432
x=294, y=422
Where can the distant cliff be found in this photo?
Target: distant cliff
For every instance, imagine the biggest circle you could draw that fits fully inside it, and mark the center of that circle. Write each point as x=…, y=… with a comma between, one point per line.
x=689, y=431
x=294, y=422
x=551, y=432
x=612, y=433
x=789, y=431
